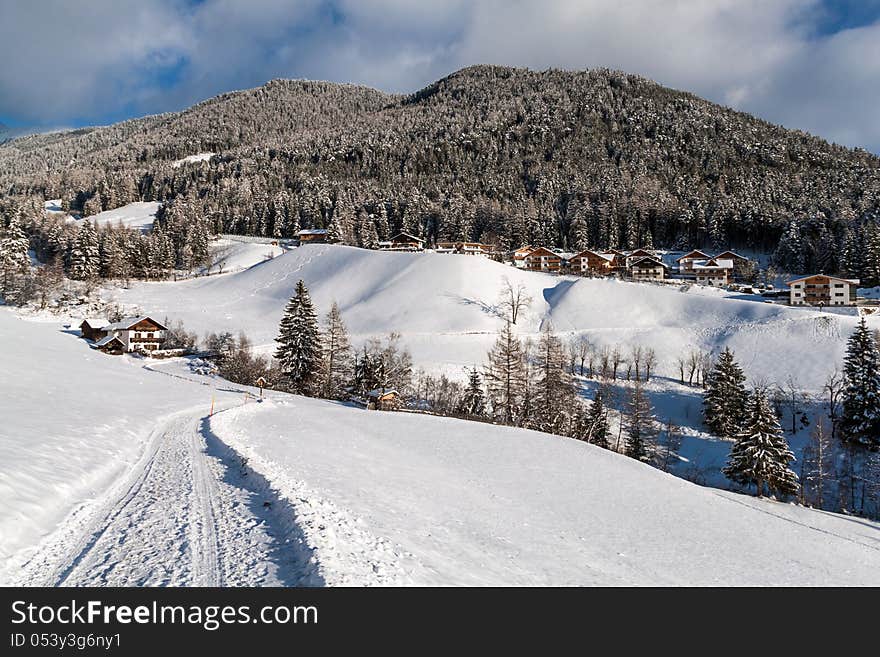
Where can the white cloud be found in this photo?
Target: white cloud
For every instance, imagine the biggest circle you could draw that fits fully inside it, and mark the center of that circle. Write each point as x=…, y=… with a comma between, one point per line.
x=755, y=55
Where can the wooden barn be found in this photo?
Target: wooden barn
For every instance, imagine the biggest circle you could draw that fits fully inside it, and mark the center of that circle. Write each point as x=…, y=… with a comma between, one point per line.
x=383, y=400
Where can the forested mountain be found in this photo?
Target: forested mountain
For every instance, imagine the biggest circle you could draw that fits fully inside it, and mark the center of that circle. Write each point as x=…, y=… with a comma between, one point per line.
x=510, y=156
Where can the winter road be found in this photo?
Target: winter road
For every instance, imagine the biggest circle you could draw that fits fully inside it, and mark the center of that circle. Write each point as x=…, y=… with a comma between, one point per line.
x=189, y=513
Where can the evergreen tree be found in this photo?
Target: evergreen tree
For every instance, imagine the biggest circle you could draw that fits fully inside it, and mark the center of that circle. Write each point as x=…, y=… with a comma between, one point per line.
x=640, y=427
x=761, y=455
x=473, y=401
x=725, y=399
x=860, y=422
x=336, y=368
x=505, y=376
x=85, y=258
x=299, y=346
x=14, y=261
x=597, y=430
x=553, y=397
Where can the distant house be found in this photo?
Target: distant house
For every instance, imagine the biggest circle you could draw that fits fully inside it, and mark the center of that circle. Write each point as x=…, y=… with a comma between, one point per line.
x=591, y=262
x=543, y=259
x=519, y=256
x=464, y=248
x=822, y=290
x=740, y=263
x=383, y=400
x=715, y=272
x=618, y=260
x=403, y=242
x=129, y=334
x=310, y=235
x=647, y=268
x=686, y=262
x=91, y=328
x=638, y=254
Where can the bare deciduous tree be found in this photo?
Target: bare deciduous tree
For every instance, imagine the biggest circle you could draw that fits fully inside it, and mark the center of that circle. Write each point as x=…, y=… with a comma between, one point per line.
x=513, y=300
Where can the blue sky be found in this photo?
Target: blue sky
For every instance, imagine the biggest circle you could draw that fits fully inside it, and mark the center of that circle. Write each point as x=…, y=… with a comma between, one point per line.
x=808, y=64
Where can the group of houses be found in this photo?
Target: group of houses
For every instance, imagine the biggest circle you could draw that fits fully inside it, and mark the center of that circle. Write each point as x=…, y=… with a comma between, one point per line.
x=719, y=270
x=641, y=264
x=130, y=334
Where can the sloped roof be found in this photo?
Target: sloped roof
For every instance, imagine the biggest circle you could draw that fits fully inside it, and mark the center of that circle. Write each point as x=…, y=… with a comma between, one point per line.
x=732, y=255
x=691, y=255
x=647, y=260
x=412, y=238
x=605, y=256
x=543, y=249
x=377, y=393
x=95, y=322
x=103, y=342
x=313, y=231
x=851, y=281
x=127, y=322
x=713, y=264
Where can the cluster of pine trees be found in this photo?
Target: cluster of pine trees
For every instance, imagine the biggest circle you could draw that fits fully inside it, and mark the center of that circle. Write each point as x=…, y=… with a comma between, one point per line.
x=507, y=156
x=843, y=456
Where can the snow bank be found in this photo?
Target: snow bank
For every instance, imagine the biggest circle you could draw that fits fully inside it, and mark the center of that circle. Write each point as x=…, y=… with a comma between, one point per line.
x=462, y=503
x=444, y=307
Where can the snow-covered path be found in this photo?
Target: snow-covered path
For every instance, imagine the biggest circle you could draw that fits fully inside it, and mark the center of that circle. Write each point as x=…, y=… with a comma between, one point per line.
x=188, y=513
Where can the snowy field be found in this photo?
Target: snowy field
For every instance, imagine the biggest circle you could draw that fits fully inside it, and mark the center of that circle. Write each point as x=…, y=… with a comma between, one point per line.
x=229, y=255
x=135, y=216
x=191, y=159
x=74, y=422
x=471, y=504
x=112, y=473
x=444, y=306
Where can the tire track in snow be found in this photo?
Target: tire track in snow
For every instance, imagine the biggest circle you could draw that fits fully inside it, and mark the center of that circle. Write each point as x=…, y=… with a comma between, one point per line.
x=184, y=515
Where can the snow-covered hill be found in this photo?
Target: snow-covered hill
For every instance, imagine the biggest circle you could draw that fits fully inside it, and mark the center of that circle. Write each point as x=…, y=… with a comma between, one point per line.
x=110, y=473
x=474, y=504
x=444, y=307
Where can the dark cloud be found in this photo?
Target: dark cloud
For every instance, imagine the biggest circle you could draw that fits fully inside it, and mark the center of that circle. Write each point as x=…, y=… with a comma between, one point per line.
x=95, y=60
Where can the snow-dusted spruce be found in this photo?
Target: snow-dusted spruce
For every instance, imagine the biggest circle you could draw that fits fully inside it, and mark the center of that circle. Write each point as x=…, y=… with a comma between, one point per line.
x=761, y=455
x=299, y=347
x=506, y=376
x=14, y=261
x=860, y=423
x=473, y=401
x=725, y=399
x=641, y=431
x=336, y=363
x=85, y=257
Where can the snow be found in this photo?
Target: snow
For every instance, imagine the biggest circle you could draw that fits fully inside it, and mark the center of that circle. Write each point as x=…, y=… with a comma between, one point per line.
x=462, y=503
x=199, y=157
x=136, y=216
x=74, y=421
x=53, y=206
x=444, y=306
x=231, y=255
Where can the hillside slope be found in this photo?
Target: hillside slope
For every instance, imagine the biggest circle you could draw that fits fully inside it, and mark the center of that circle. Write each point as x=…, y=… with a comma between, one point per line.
x=444, y=306
x=473, y=504
x=567, y=158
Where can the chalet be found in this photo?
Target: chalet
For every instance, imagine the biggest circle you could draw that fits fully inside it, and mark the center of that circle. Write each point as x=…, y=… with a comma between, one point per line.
x=383, y=400
x=91, y=328
x=403, y=242
x=618, y=260
x=822, y=290
x=129, y=334
x=715, y=272
x=686, y=262
x=519, y=256
x=740, y=263
x=464, y=248
x=312, y=235
x=638, y=254
x=543, y=259
x=647, y=269
x=591, y=262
